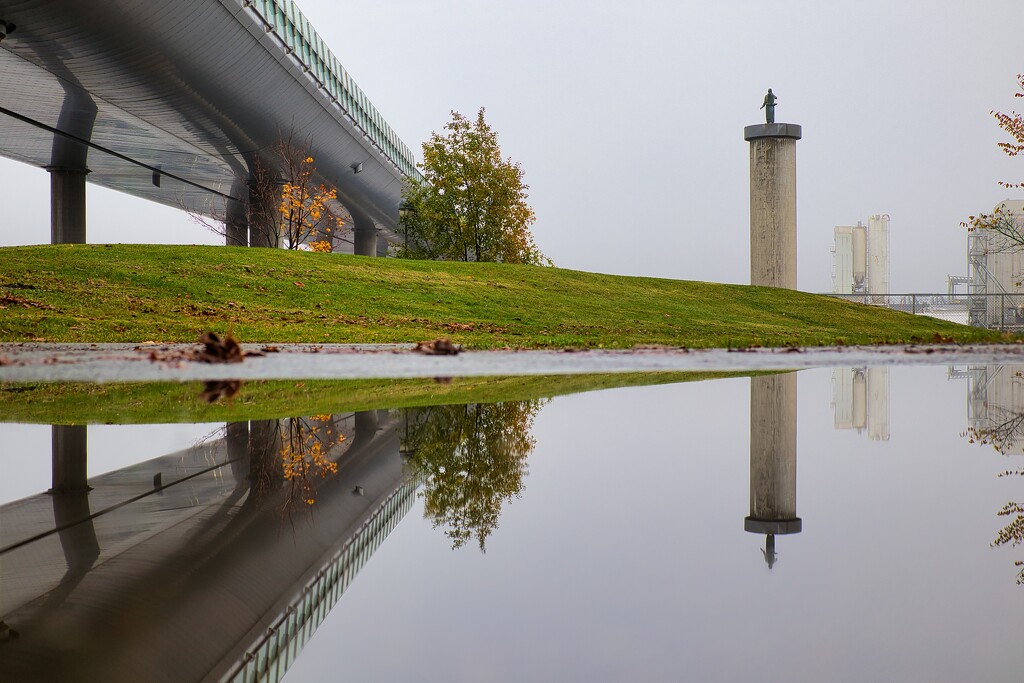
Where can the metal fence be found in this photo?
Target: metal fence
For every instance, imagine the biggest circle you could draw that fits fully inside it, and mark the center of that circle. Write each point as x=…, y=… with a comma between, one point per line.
x=997, y=311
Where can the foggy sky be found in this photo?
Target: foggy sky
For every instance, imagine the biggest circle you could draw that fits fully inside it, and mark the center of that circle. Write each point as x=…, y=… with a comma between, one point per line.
x=628, y=119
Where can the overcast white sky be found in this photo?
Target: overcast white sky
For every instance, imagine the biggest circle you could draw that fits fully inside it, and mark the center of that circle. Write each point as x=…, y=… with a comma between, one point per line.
x=628, y=118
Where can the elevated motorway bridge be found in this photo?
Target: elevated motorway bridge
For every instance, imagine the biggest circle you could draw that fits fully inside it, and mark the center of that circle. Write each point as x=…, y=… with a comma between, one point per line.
x=178, y=102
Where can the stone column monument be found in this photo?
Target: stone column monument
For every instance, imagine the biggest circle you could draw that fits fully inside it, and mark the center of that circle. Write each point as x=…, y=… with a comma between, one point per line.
x=772, y=199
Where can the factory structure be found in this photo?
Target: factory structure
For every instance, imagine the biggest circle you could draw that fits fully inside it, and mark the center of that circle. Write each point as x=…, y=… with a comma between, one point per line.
x=860, y=399
x=860, y=259
x=995, y=269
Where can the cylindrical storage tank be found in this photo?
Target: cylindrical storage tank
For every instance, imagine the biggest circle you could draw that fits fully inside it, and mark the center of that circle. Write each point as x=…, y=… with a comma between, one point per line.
x=842, y=261
x=878, y=253
x=860, y=255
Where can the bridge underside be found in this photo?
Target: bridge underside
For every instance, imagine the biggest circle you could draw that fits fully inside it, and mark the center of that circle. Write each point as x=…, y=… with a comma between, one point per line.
x=173, y=102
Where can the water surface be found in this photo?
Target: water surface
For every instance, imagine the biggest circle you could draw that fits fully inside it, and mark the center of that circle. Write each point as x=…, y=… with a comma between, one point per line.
x=611, y=535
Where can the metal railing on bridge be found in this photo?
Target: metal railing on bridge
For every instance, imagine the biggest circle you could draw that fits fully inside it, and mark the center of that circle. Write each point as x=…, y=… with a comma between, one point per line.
x=284, y=20
x=267, y=660
x=996, y=310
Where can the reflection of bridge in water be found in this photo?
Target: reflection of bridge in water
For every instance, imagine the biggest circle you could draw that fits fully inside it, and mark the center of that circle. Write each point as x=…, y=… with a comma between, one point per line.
x=191, y=567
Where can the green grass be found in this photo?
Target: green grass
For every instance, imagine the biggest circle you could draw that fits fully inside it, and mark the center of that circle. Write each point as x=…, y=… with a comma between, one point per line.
x=157, y=403
x=135, y=293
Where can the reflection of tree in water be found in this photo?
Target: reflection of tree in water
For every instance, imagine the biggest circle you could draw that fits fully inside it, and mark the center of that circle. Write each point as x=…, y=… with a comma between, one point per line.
x=305, y=443
x=292, y=454
x=472, y=459
x=1005, y=435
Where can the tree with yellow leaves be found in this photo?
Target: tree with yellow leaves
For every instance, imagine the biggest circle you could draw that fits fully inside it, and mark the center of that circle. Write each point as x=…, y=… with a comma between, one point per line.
x=287, y=206
x=303, y=212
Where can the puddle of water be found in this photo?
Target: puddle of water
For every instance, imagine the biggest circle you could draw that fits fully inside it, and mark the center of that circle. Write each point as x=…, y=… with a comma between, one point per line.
x=832, y=524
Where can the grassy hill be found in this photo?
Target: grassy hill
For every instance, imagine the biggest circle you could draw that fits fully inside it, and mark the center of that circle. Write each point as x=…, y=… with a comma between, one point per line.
x=136, y=293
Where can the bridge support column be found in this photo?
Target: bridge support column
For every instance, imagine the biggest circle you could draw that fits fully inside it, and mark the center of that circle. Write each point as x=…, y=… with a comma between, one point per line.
x=67, y=205
x=69, y=455
x=236, y=218
x=263, y=199
x=773, y=203
x=365, y=235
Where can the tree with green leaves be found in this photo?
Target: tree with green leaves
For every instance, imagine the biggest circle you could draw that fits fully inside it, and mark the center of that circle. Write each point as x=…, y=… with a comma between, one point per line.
x=472, y=459
x=471, y=204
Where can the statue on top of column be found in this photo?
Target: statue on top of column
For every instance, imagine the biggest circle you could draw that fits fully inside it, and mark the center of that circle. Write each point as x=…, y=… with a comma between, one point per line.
x=769, y=106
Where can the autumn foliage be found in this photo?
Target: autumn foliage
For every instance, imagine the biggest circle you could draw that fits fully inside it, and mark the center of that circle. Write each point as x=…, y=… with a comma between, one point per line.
x=304, y=203
x=1013, y=125
x=286, y=202
x=1005, y=228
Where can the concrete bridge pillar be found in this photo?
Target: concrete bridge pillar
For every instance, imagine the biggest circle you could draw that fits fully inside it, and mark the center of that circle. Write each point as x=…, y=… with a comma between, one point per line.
x=261, y=217
x=773, y=203
x=236, y=216
x=773, y=459
x=67, y=205
x=365, y=235
x=69, y=458
x=69, y=156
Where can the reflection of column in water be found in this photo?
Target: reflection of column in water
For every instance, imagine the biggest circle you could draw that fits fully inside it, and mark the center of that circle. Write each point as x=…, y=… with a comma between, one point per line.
x=70, y=464
x=366, y=423
x=772, y=459
x=236, y=437
x=72, y=516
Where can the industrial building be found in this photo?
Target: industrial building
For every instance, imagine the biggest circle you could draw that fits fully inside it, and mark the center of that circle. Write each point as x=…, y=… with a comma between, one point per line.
x=995, y=269
x=860, y=259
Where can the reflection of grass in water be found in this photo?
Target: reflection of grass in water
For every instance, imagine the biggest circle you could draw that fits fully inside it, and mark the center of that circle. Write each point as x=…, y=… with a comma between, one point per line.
x=158, y=403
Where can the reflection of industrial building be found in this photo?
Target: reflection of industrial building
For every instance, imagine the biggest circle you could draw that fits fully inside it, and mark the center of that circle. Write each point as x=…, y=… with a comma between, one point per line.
x=995, y=269
x=772, y=460
x=860, y=398
x=860, y=258
x=995, y=404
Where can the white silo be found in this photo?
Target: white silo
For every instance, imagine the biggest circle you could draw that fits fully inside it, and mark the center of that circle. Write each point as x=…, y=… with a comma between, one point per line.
x=842, y=260
x=849, y=260
x=878, y=256
x=860, y=257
